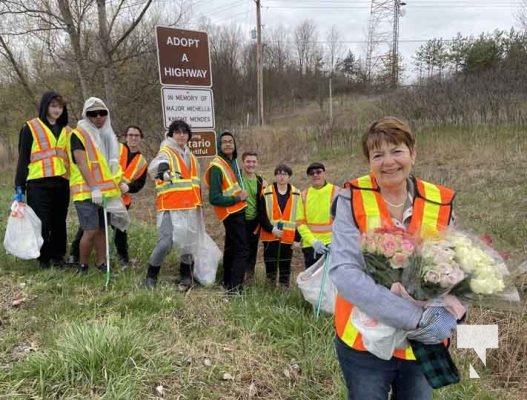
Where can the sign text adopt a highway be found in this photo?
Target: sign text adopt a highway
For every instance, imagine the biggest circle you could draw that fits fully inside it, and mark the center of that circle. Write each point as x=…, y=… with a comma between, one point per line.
x=183, y=56
x=194, y=106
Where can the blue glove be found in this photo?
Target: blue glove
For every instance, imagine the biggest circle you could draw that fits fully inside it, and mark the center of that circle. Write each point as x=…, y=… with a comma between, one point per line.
x=436, y=325
x=19, y=195
x=319, y=247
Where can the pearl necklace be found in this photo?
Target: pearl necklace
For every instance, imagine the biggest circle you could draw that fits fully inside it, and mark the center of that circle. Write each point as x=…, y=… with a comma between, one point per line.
x=394, y=205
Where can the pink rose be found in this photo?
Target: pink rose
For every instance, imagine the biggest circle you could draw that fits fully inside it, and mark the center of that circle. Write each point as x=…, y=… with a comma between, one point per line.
x=388, y=247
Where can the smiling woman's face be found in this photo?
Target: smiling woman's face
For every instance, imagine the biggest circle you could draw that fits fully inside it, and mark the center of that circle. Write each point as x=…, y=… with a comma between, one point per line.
x=391, y=164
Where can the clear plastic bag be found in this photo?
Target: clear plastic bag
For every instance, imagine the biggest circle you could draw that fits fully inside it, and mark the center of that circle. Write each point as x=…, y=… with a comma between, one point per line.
x=207, y=255
x=310, y=284
x=379, y=339
x=23, y=234
x=119, y=216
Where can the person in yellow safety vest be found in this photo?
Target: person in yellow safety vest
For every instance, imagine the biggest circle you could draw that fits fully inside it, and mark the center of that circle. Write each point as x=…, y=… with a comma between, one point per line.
x=133, y=165
x=228, y=198
x=389, y=196
x=95, y=174
x=278, y=215
x=176, y=172
x=42, y=173
x=315, y=218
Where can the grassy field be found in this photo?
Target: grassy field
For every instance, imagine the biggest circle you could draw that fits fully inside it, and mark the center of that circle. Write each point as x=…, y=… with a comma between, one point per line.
x=64, y=337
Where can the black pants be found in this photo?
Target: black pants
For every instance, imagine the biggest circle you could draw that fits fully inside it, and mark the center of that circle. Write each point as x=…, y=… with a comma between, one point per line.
x=310, y=256
x=50, y=198
x=252, y=239
x=236, y=251
x=120, y=240
x=277, y=258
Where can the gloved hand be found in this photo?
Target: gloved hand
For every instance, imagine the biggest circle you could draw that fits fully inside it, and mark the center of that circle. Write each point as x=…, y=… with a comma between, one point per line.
x=168, y=176
x=161, y=169
x=19, y=195
x=436, y=325
x=319, y=247
x=124, y=187
x=96, y=196
x=277, y=232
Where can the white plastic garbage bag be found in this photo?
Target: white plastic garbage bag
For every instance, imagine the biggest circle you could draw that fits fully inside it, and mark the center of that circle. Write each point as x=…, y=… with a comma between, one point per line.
x=23, y=234
x=119, y=216
x=379, y=339
x=207, y=255
x=310, y=284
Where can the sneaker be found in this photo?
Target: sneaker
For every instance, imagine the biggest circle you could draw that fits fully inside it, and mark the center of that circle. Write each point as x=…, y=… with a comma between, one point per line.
x=149, y=283
x=102, y=268
x=185, y=284
x=57, y=263
x=82, y=269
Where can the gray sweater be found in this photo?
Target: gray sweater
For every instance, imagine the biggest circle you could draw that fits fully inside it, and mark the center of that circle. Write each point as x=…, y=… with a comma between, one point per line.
x=353, y=284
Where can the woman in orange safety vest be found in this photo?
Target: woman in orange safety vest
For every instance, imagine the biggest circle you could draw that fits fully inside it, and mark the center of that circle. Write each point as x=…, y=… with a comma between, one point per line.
x=390, y=197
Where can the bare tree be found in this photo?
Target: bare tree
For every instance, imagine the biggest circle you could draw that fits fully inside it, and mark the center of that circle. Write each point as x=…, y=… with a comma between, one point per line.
x=305, y=43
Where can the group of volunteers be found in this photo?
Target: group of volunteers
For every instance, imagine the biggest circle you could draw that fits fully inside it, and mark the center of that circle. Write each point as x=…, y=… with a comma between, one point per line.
x=89, y=164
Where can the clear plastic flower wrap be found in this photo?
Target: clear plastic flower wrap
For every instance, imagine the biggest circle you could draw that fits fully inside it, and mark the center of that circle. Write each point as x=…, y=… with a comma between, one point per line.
x=457, y=263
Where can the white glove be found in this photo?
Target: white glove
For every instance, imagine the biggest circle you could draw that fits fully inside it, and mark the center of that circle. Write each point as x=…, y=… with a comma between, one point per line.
x=124, y=187
x=96, y=196
x=167, y=176
x=319, y=247
x=277, y=232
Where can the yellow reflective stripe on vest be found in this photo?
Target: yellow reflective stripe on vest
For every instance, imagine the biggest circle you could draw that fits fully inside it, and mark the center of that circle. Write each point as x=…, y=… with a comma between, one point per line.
x=233, y=187
x=431, y=210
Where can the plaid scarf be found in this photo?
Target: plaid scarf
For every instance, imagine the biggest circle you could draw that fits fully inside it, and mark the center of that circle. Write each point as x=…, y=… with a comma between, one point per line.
x=436, y=364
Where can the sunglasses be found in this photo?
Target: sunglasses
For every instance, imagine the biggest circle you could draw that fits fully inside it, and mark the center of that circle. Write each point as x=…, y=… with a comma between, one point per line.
x=315, y=172
x=97, y=113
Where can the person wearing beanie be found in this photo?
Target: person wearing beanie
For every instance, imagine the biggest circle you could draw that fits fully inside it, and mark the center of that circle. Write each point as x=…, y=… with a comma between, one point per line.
x=315, y=220
x=176, y=173
x=95, y=176
x=42, y=174
x=228, y=198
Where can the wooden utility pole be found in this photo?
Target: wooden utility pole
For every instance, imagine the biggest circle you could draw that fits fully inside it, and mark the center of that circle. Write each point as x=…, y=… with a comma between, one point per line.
x=259, y=64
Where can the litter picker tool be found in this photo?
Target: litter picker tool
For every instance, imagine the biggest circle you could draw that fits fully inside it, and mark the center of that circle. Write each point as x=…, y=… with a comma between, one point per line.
x=324, y=277
x=107, y=245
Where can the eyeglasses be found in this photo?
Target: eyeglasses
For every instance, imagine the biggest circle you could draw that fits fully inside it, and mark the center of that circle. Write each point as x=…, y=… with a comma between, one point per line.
x=315, y=172
x=133, y=135
x=227, y=142
x=97, y=113
x=282, y=173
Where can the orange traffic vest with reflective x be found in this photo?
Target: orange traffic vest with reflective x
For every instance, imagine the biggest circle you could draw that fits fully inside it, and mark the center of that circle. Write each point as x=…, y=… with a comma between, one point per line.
x=229, y=187
x=98, y=166
x=183, y=192
x=49, y=156
x=432, y=211
x=132, y=171
x=275, y=215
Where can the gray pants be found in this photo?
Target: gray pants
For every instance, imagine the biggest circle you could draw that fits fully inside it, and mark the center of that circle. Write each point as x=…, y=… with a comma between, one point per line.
x=165, y=242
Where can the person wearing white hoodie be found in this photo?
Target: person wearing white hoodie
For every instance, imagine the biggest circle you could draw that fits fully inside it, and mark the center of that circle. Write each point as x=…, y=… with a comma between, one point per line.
x=95, y=176
x=176, y=173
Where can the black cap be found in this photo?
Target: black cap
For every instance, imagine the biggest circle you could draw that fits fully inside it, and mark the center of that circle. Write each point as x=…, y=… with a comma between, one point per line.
x=315, y=165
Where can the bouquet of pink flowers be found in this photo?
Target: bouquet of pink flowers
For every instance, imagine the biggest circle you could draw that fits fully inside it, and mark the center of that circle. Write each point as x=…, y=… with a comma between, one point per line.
x=386, y=253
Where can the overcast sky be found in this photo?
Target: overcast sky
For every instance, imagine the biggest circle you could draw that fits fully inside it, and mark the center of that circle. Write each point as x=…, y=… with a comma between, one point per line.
x=423, y=19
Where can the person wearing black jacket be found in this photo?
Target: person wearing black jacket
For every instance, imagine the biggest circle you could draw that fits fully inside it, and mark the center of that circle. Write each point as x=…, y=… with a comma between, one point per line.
x=42, y=174
x=253, y=184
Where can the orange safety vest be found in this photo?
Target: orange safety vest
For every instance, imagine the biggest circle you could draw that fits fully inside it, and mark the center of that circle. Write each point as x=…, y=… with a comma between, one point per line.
x=183, y=192
x=49, y=156
x=275, y=215
x=99, y=168
x=432, y=210
x=132, y=171
x=229, y=187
